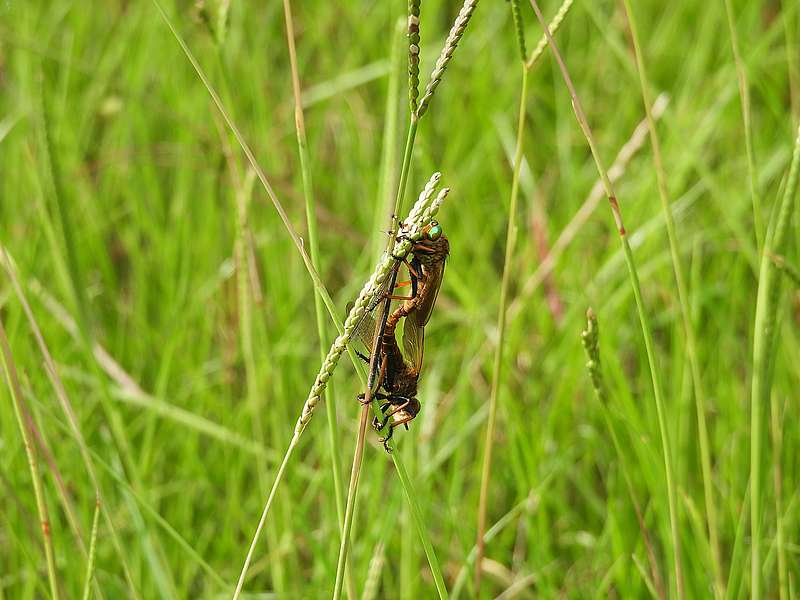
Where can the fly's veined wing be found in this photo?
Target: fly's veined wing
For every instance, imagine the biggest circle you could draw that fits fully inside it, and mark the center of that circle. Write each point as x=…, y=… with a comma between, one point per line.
x=429, y=292
x=413, y=343
x=365, y=329
x=431, y=256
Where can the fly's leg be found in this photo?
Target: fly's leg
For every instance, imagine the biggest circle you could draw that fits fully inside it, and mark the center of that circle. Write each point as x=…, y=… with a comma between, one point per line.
x=412, y=271
x=387, y=415
x=398, y=408
x=379, y=425
x=381, y=375
x=415, y=273
x=386, y=439
x=376, y=396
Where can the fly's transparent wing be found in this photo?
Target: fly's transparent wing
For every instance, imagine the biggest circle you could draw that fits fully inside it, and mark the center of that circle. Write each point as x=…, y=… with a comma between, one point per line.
x=430, y=291
x=413, y=343
x=365, y=328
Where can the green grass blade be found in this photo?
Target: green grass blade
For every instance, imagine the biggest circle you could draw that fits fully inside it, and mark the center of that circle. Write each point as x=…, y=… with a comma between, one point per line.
x=644, y=319
x=683, y=299
x=313, y=242
x=92, y=551
x=764, y=332
x=15, y=390
x=511, y=237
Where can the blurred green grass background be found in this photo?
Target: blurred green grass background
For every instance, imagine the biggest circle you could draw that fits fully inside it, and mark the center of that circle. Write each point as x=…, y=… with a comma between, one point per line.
x=140, y=164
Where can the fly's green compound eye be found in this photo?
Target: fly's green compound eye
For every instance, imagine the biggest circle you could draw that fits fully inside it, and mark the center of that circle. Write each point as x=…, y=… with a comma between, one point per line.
x=435, y=232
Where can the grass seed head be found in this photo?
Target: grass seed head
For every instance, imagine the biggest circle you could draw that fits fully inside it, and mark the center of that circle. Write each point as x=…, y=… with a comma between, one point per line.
x=590, y=338
x=450, y=45
x=553, y=27
x=519, y=28
x=413, y=53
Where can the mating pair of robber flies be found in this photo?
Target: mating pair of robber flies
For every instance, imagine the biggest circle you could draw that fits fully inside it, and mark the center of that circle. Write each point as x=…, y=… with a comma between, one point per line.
x=398, y=372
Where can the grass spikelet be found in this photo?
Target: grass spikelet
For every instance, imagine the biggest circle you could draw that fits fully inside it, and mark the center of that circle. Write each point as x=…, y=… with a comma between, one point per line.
x=590, y=338
x=553, y=27
x=450, y=45
x=519, y=28
x=92, y=550
x=413, y=53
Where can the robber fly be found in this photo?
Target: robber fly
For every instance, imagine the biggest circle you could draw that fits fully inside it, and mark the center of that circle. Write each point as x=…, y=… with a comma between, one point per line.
x=398, y=372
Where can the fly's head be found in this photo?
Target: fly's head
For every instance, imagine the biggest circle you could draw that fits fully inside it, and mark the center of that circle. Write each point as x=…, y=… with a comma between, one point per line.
x=433, y=247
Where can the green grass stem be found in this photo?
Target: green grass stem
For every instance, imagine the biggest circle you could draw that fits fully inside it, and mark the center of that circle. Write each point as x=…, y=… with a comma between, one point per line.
x=92, y=551
x=739, y=551
x=416, y=513
x=590, y=338
x=67, y=409
x=683, y=300
x=764, y=332
x=15, y=390
x=644, y=319
x=744, y=103
x=497, y=373
x=313, y=243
